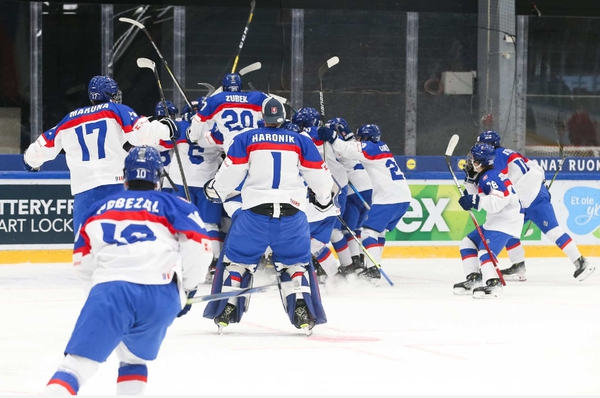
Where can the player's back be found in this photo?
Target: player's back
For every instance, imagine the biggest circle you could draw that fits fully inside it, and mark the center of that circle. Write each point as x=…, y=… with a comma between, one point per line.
x=93, y=139
x=276, y=158
x=233, y=112
x=389, y=183
x=132, y=236
x=525, y=174
x=507, y=217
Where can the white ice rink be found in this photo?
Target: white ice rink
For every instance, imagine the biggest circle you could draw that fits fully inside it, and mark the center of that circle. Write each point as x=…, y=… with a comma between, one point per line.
x=542, y=337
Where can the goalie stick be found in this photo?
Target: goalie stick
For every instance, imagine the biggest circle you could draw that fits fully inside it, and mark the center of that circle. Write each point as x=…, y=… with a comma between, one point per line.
x=449, y=150
x=164, y=61
x=149, y=64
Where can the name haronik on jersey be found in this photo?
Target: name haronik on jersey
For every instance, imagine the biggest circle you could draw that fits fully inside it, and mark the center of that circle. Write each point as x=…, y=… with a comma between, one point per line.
x=274, y=138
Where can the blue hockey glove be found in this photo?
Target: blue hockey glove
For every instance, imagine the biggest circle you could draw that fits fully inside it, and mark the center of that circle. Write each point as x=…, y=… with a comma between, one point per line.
x=469, y=202
x=28, y=167
x=187, y=307
x=325, y=133
x=173, y=128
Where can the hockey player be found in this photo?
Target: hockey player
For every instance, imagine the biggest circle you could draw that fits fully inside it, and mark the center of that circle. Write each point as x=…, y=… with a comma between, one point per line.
x=355, y=210
x=232, y=111
x=490, y=190
x=200, y=165
x=93, y=138
x=141, y=253
x=528, y=178
x=274, y=164
x=322, y=224
x=391, y=194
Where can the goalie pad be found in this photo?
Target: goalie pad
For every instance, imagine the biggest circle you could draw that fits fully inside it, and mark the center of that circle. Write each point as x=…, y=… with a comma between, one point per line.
x=310, y=292
x=222, y=280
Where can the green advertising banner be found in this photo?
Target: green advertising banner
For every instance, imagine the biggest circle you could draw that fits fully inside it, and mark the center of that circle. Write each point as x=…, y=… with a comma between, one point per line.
x=435, y=215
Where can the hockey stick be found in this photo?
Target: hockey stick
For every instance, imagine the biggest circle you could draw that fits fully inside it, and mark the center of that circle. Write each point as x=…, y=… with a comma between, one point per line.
x=209, y=87
x=330, y=63
x=164, y=61
x=250, y=68
x=149, y=64
x=359, y=196
x=449, y=150
x=563, y=156
x=364, y=249
x=237, y=57
x=236, y=293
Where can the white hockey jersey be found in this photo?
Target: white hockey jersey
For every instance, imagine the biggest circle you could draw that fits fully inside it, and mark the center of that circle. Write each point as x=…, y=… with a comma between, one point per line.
x=389, y=184
x=526, y=175
x=145, y=237
x=93, y=139
x=274, y=163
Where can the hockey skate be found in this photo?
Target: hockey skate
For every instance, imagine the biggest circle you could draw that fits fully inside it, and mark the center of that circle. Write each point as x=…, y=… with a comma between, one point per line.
x=492, y=289
x=516, y=272
x=583, y=269
x=371, y=274
x=210, y=274
x=224, y=319
x=303, y=318
x=321, y=274
x=355, y=266
x=466, y=287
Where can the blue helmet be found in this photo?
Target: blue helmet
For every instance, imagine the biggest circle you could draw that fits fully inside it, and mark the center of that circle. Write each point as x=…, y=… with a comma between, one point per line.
x=104, y=89
x=291, y=127
x=490, y=137
x=159, y=110
x=196, y=105
x=143, y=163
x=369, y=132
x=482, y=153
x=306, y=117
x=232, y=82
x=341, y=126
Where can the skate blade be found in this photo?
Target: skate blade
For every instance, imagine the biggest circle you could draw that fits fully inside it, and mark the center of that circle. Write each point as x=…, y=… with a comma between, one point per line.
x=515, y=277
x=461, y=292
x=483, y=295
x=307, y=330
x=588, y=271
x=220, y=329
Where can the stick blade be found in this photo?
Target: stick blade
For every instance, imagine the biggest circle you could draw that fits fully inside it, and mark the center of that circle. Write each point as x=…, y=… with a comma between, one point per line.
x=452, y=144
x=330, y=63
x=133, y=22
x=209, y=87
x=146, y=63
x=250, y=68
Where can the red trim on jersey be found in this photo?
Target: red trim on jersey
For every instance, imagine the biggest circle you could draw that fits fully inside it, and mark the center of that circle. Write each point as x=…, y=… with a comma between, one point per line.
x=378, y=156
x=229, y=105
x=91, y=117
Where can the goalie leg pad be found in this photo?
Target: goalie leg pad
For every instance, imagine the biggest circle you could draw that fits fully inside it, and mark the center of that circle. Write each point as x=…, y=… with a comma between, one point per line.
x=229, y=277
x=306, y=286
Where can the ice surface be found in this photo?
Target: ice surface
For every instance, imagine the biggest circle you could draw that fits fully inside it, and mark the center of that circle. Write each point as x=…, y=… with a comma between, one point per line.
x=542, y=337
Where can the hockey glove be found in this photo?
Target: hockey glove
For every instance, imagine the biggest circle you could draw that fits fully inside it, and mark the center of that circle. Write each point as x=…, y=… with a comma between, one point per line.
x=210, y=192
x=470, y=173
x=325, y=133
x=28, y=167
x=187, y=307
x=321, y=207
x=173, y=128
x=469, y=202
x=188, y=116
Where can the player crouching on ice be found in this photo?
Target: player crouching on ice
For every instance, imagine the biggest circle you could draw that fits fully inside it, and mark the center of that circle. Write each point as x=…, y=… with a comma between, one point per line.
x=490, y=190
x=274, y=164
